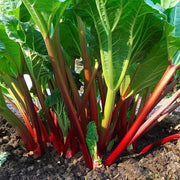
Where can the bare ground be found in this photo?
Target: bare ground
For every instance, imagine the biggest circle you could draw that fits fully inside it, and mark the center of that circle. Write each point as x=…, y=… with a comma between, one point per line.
x=162, y=163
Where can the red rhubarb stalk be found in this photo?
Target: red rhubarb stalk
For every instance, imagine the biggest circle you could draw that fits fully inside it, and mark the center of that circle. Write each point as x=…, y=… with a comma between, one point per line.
x=148, y=122
x=23, y=114
x=32, y=112
x=160, y=142
x=77, y=99
x=87, y=91
x=171, y=69
x=122, y=120
x=87, y=72
x=68, y=102
x=57, y=138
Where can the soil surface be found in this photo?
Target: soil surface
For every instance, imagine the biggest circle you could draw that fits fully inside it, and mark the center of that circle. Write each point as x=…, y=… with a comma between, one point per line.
x=162, y=163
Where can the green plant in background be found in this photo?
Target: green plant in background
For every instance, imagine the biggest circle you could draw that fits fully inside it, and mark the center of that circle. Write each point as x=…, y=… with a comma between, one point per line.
x=130, y=53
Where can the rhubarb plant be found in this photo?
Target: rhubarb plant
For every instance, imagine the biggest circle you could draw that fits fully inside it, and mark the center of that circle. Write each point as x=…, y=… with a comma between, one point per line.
x=130, y=55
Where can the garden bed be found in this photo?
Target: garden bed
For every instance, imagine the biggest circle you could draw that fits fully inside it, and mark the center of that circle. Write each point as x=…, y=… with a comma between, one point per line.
x=160, y=163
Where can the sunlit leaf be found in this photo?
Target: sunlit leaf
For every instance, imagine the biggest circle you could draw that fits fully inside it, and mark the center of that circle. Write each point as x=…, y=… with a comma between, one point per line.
x=46, y=14
x=120, y=42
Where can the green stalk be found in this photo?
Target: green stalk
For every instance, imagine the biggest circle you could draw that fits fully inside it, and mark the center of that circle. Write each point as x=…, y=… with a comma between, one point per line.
x=17, y=124
x=105, y=124
x=67, y=100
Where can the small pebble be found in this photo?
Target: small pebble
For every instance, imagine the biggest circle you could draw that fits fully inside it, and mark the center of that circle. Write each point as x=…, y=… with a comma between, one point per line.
x=1, y=142
x=30, y=168
x=5, y=139
x=178, y=144
x=9, y=148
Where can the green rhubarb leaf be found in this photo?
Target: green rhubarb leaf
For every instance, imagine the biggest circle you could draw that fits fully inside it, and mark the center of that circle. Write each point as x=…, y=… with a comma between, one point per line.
x=32, y=45
x=3, y=157
x=166, y=4
x=149, y=72
x=69, y=34
x=92, y=139
x=16, y=8
x=126, y=32
x=127, y=79
x=9, y=55
x=9, y=5
x=46, y=14
x=176, y=58
x=174, y=19
x=24, y=15
x=55, y=102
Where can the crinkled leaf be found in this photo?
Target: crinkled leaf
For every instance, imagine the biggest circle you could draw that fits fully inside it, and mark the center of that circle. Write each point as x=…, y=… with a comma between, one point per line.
x=149, y=72
x=2, y=48
x=9, y=5
x=32, y=45
x=24, y=14
x=35, y=54
x=92, y=139
x=53, y=99
x=174, y=19
x=55, y=102
x=11, y=25
x=166, y=4
x=128, y=78
x=46, y=14
x=69, y=34
x=9, y=55
x=125, y=29
x=176, y=58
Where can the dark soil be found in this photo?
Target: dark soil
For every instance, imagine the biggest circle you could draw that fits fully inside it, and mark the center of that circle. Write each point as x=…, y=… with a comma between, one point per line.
x=162, y=163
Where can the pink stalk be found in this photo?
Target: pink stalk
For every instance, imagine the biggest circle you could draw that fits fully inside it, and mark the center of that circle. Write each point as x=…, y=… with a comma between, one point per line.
x=171, y=69
x=160, y=142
